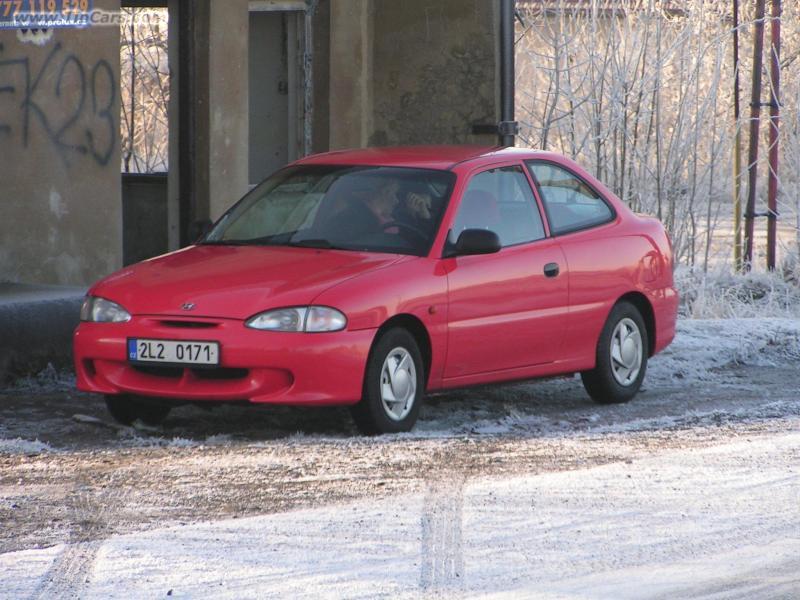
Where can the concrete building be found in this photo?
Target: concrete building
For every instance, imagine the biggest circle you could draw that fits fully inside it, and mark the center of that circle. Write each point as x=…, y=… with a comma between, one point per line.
x=253, y=85
x=60, y=186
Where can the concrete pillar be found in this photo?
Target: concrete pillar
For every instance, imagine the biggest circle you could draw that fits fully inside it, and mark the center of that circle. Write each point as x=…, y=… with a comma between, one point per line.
x=320, y=128
x=173, y=175
x=351, y=41
x=209, y=111
x=227, y=104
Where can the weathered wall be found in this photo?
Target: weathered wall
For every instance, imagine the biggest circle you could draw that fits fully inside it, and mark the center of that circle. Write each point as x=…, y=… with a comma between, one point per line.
x=59, y=155
x=412, y=72
x=434, y=71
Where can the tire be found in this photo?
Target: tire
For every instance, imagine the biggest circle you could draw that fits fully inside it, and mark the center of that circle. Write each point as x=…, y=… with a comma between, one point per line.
x=126, y=409
x=621, y=350
x=395, y=351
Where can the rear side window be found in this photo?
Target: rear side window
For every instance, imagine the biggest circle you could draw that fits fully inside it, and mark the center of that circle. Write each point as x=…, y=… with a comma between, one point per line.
x=501, y=200
x=571, y=204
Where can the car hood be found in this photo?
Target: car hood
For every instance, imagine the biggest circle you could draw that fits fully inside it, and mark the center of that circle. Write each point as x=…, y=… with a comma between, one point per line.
x=233, y=281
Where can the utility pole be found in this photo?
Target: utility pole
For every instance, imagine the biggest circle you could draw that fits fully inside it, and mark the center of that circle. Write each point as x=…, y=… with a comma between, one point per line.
x=737, y=147
x=774, y=122
x=755, y=116
x=508, y=127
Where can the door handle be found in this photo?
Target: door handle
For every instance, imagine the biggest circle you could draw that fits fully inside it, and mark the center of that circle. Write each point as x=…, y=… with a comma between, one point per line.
x=551, y=269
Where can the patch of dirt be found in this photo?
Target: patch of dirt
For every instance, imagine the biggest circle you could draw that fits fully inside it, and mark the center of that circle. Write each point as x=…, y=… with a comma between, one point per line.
x=102, y=479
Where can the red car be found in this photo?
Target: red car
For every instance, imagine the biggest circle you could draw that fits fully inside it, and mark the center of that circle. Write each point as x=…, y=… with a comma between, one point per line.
x=369, y=277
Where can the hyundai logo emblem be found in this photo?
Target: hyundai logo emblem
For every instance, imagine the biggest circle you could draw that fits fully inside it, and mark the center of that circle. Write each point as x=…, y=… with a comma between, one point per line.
x=188, y=306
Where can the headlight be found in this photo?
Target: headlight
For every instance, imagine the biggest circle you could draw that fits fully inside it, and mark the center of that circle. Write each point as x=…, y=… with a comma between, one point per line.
x=313, y=319
x=100, y=310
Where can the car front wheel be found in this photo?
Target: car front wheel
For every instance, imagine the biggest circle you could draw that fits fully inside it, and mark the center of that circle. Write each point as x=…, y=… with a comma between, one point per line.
x=394, y=384
x=126, y=409
x=621, y=359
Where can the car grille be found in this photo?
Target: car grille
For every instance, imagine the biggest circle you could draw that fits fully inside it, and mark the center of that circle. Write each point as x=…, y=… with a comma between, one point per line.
x=220, y=373
x=170, y=372
x=217, y=373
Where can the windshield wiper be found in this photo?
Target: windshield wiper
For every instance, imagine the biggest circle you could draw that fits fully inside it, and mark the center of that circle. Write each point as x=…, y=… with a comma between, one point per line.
x=227, y=243
x=279, y=240
x=317, y=243
x=267, y=240
x=314, y=243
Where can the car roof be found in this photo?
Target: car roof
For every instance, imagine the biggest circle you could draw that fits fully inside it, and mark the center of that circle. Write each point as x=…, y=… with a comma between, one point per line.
x=424, y=157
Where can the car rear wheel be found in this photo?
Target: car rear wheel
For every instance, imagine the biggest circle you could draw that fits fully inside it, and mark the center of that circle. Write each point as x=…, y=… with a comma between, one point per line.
x=394, y=384
x=621, y=360
x=126, y=409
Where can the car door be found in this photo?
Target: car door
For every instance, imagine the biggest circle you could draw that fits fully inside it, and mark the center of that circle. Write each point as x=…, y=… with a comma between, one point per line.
x=506, y=310
x=583, y=223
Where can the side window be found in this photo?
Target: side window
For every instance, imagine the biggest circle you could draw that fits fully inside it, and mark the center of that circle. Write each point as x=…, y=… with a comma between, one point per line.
x=570, y=203
x=501, y=200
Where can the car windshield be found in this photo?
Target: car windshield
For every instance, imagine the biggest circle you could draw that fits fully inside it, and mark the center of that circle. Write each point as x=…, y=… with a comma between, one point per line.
x=372, y=209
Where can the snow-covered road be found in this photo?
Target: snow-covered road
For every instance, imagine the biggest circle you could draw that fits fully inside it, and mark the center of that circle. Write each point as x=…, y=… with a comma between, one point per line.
x=722, y=521
x=529, y=490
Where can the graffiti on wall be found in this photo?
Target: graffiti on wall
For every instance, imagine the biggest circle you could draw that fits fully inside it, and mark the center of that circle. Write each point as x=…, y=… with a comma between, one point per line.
x=71, y=102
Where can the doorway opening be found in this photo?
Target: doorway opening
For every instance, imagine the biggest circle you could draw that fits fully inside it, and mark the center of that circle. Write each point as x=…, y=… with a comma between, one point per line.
x=278, y=75
x=144, y=127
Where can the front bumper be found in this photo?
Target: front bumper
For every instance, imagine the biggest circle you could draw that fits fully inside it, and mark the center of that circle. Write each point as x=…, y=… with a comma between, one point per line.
x=257, y=366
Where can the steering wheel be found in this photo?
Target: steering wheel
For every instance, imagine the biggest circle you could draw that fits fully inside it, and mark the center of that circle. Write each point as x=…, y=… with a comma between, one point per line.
x=421, y=235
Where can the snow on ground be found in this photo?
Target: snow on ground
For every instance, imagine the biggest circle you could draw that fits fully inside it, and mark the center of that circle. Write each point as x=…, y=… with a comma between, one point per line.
x=48, y=379
x=714, y=522
x=20, y=446
x=703, y=346
x=22, y=573
x=659, y=527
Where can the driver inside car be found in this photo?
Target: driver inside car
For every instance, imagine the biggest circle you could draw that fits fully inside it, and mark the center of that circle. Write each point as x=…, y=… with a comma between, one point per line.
x=416, y=209
x=375, y=211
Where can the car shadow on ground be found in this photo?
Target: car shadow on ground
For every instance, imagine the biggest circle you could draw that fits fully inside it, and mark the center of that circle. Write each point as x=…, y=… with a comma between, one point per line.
x=65, y=419
x=73, y=420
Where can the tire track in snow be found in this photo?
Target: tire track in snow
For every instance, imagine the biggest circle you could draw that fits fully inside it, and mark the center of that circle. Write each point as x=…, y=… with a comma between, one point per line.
x=69, y=572
x=442, y=557
x=72, y=568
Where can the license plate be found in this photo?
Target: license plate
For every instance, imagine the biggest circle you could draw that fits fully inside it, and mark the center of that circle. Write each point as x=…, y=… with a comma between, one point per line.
x=173, y=352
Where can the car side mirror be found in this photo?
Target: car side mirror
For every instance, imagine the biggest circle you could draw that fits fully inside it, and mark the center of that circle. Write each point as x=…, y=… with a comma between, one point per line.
x=477, y=241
